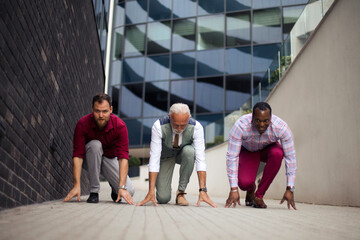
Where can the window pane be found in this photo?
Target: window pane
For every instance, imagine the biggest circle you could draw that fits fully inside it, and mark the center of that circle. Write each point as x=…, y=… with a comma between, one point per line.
x=133, y=70
x=210, y=62
x=265, y=3
x=183, y=35
x=209, y=118
x=114, y=93
x=159, y=34
x=183, y=65
x=182, y=92
x=267, y=26
x=136, y=11
x=119, y=14
x=210, y=6
x=262, y=87
x=147, y=125
x=131, y=98
x=233, y=5
x=238, y=29
x=156, y=96
x=238, y=60
x=290, y=16
x=184, y=8
x=290, y=2
x=115, y=74
x=263, y=56
x=118, y=40
x=134, y=130
x=210, y=32
x=209, y=95
x=157, y=68
x=159, y=9
x=135, y=40
x=238, y=91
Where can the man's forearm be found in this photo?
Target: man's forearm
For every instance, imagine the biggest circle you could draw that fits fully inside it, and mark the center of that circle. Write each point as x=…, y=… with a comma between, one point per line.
x=202, y=178
x=152, y=181
x=123, y=171
x=77, y=164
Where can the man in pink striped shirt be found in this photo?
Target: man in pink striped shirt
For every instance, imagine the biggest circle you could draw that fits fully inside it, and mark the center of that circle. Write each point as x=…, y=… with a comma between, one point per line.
x=254, y=138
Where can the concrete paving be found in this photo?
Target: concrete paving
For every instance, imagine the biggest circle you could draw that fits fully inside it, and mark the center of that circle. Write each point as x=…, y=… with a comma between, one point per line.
x=107, y=220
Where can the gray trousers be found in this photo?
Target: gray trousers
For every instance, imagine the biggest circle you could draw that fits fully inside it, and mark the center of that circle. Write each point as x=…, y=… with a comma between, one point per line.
x=95, y=163
x=186, y=159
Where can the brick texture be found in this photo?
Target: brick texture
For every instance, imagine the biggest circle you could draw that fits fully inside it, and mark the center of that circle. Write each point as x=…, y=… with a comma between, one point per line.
x=50, y=68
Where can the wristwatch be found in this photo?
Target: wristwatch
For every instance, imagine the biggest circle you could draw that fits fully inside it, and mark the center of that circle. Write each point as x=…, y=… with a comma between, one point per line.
x=123, y=187
x=291, y=189
x=203, y=189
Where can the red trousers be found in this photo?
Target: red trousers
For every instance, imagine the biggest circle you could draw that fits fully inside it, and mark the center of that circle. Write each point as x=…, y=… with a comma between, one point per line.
x=249, y=163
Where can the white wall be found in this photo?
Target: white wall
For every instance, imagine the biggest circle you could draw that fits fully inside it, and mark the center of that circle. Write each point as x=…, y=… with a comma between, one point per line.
x=319, y=98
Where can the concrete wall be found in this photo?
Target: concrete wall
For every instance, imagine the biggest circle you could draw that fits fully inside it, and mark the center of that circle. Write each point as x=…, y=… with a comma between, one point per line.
x=49, y=70
x=319, y=98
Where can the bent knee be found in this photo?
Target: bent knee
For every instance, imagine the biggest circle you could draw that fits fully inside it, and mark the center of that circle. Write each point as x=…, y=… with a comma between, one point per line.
x=94, y=144
x=276, y=152
x=163, y=198
x=188, y=151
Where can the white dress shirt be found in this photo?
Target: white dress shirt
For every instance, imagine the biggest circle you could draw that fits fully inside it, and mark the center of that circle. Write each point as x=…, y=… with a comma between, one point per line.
x=156, y=147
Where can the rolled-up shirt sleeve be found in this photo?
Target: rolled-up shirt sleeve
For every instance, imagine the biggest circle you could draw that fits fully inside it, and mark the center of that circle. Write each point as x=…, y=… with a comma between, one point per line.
x=232, y=155
x=122, y=143
x=79, y=141
x=155, y=147
x=199, y=146
x=287, y=143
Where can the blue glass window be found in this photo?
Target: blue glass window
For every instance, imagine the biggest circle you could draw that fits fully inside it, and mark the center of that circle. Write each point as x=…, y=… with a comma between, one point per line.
x=211, y=32
x=134, y=130
x=157, y=68
x=135, y=40
x=291, y=2
x=131, y=98
x=156, y=96
x=265, y=3
x=210, y=62
x=182, y=92
x=147, y=125
x=238, y=60
x=133, y=70
x=119, y=14
x=136, y=11
x=262, y=87
x=263, y=56
x=267, y=26
x=115, y=74
x=183, y=65
x=290, y=16
x=238, y=91
x=184, y=8
x=210, y=118
x=210, y=6
x=209, y=95
x=234, y=5
x=115, y=98
x=238, y=29
x=118, y=40
x=159, y=9
x=159, y=34
x=183, y=35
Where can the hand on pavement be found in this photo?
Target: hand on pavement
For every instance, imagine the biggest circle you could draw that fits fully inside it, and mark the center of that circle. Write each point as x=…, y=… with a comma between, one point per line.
x=76, y=191
x=123, y=193
x=234, y=197
x=203, y=197
x=150, y=197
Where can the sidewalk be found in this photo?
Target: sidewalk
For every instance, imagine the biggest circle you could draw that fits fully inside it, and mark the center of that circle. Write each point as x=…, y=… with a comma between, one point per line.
x=107, y=220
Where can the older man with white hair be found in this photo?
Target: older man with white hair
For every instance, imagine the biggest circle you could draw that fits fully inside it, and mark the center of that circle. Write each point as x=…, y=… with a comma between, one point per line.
x=176, y=138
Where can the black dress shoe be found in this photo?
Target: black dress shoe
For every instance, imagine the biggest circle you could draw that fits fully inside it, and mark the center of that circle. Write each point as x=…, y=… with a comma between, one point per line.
x=249, y=200
x=93, y=198
x=114, y=196
x=259, y=203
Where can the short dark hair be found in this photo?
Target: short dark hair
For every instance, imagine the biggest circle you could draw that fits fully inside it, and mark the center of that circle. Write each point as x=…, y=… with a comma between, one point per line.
x=100, y=97
x=261, y=106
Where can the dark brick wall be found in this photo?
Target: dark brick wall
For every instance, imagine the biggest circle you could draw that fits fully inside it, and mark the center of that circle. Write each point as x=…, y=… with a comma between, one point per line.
x=50, y=69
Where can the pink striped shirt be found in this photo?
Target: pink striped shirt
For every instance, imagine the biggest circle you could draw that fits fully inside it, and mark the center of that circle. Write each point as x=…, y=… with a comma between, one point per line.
x=244, y=133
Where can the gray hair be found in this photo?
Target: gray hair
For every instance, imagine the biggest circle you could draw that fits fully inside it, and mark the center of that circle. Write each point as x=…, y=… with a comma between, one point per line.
x=179, y=108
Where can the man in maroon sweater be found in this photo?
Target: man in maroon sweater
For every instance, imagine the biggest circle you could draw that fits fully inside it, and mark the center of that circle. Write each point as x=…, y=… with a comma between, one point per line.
x=101, y=145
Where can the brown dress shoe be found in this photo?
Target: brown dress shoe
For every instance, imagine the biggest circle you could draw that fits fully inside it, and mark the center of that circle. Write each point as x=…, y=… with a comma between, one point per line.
x=249, y=200
x=180, y=199
x=259, y=203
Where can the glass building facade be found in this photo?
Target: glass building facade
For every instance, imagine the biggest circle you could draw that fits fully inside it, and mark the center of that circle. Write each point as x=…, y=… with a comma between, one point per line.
x=209, y=54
